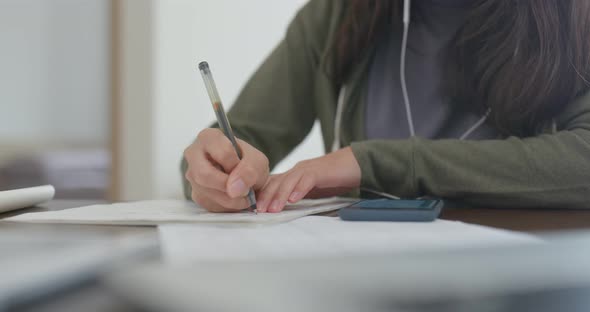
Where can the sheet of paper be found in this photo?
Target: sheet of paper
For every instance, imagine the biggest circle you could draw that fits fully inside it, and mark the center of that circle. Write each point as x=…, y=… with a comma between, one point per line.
x=174, y=211
x=314, y=236
x=25, y=197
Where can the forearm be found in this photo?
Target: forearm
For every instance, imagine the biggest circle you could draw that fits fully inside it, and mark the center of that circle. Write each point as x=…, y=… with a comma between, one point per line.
x=544, y=171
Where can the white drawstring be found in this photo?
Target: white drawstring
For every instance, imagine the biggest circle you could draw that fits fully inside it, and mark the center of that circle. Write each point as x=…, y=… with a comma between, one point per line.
x=402, y=68
x=475, y=126
x=342, y=95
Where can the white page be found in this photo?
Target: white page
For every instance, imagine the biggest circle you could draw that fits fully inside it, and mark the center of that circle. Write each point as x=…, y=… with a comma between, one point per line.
x=25, y=197
x=153, y=212
x=314, y=236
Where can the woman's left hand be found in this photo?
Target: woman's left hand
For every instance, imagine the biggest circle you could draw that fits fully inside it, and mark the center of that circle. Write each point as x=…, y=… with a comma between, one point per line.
x=329, y=175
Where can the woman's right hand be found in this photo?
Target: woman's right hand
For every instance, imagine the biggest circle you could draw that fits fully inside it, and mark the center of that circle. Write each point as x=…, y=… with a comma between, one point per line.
x=220, y=181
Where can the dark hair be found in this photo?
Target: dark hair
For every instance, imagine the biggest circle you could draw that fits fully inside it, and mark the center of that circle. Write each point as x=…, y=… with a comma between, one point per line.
x=523, y=59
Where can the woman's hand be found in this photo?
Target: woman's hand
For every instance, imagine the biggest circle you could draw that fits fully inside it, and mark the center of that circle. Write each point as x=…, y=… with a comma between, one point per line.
x=330, y=175
x=220, y=181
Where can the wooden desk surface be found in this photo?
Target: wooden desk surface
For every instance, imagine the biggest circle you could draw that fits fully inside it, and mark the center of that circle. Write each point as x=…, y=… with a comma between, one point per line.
x=96, y=298
x=525, y=220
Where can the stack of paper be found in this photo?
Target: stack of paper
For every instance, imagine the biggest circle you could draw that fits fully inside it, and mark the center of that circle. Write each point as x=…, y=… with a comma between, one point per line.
x=174, y=211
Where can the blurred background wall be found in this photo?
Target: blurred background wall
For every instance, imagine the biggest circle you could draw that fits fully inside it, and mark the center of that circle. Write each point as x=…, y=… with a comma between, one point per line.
x=54, y=71
x=109, y=91
x=55, y=95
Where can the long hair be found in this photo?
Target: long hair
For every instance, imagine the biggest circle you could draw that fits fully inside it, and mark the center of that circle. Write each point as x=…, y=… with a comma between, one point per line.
x=523, y=59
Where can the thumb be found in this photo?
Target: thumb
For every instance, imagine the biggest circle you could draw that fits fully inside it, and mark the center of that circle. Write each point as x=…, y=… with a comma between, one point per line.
x=241, y=179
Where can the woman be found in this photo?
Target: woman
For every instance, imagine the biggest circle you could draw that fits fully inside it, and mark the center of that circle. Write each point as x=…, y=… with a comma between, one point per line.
x=485, y=101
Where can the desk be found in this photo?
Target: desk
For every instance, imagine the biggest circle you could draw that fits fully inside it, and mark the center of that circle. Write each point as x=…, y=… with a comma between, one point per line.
x=91, y=296
x=524, y=220
x=95, y=298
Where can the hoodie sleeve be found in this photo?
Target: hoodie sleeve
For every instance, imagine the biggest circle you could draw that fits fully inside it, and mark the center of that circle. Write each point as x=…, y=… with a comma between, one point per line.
x=545, y=171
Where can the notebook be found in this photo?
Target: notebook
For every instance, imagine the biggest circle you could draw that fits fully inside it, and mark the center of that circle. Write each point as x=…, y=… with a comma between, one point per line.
x=154, y=212
x=25, y=197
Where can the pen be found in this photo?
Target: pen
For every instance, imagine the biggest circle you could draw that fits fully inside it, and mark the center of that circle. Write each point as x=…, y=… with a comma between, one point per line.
x=222, y=119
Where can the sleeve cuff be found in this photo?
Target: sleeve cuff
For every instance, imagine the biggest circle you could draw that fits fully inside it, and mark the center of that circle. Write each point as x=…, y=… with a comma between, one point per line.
x=387, y=166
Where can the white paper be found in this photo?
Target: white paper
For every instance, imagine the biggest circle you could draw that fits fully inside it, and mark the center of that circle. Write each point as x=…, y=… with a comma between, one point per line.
x=25, y=197
x=155, y=212
x=314, y=236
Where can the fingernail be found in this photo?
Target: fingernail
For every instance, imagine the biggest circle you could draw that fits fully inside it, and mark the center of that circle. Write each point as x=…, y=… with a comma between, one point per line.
x=238, y=187
x=295, y=196
x=276, y=206
x=261, y=206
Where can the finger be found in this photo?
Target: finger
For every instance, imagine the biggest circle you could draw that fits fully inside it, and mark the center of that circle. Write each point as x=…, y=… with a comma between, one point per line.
x=266, y=194
x=207, y=203
x=303, y=187
x=241, y=179
x=222, y=199
x=285, y=189
x=258, y=161
x=210, y=136
x=204, y=173
x=222, y=152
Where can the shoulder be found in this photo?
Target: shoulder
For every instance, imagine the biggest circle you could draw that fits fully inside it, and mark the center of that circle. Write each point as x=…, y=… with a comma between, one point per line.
x=318, y=20
x=321, y=11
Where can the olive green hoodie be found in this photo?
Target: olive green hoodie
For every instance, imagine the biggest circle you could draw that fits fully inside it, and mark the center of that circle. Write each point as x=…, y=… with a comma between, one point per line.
x=280, y=103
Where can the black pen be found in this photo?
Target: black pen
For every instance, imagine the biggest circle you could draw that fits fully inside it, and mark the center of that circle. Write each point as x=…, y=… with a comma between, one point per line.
x=222, y=120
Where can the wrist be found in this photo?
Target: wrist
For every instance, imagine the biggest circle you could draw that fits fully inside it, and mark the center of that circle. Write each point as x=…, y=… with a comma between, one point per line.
x=346, y=171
